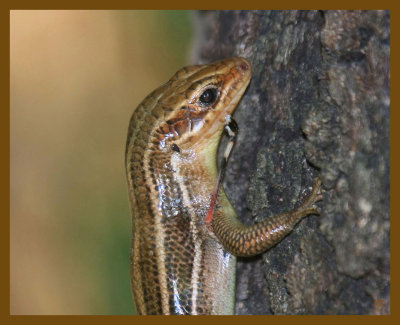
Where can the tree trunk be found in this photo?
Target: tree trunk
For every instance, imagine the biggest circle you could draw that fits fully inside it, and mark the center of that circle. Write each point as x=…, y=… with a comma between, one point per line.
x=318, y=104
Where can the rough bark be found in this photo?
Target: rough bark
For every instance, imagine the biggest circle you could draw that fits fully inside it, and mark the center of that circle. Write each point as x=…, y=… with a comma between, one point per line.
x=318, y=103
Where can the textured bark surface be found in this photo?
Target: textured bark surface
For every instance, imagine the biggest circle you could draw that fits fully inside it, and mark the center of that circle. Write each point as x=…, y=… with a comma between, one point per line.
x=318, y=103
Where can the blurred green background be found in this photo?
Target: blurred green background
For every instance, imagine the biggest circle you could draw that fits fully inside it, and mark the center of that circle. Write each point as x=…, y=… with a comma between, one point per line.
x=76, y=77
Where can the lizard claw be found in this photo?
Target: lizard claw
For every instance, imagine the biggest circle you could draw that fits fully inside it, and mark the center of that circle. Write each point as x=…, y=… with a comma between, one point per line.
x=315, y=196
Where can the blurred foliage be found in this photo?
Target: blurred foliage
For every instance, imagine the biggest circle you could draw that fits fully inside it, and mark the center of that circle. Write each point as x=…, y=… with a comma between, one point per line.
x=76, y=77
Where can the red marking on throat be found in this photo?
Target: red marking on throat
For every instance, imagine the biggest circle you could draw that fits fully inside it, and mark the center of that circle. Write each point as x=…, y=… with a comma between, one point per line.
x=213, y=203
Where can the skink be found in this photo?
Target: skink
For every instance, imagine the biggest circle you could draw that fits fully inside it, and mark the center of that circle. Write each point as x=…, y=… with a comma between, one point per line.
x=182, y=263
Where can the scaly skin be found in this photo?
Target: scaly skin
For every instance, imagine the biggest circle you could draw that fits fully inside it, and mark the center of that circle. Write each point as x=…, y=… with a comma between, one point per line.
x=180, y=264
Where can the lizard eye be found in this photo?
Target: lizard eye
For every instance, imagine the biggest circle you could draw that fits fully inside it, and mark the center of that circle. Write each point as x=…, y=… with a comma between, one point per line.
x=208, y=97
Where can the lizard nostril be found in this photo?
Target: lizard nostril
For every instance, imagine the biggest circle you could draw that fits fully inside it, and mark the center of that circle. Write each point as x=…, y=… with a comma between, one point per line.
x=244, y=66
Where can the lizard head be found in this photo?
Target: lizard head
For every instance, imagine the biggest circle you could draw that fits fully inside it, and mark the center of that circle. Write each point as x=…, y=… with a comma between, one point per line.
x=196, y=102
